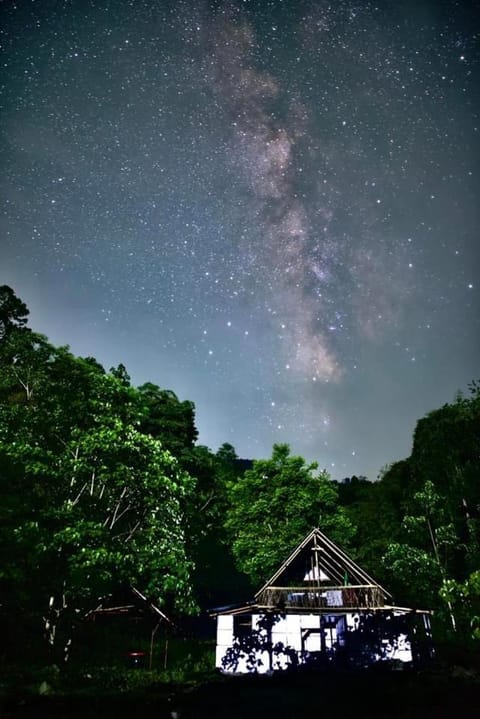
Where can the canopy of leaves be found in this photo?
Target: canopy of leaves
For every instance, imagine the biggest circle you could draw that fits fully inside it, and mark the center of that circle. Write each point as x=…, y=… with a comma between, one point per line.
x=274, y=506
x=376, y=509
x=13, y=312
x=168, y=419
x=89, y=501
x=438, y=545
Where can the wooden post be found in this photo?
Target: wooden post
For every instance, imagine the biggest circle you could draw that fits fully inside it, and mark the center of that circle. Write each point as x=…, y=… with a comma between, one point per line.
x=152, y=636
x=166, y=654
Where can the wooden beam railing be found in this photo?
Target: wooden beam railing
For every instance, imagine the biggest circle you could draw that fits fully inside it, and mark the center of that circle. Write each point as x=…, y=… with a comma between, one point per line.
x=336, y=597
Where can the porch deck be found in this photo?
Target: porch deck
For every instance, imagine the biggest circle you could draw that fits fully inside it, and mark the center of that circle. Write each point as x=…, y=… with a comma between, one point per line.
x=357, y=596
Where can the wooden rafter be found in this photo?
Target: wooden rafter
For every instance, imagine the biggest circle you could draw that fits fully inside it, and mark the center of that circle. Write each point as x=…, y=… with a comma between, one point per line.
x=333, y=560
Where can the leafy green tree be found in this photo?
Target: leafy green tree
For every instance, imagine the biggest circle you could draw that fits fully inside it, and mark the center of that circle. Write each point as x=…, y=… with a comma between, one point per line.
x=13, y=312
x=228, y=461
x=89, y=501
x=421, y=561
x=274, y=506
x=214, y=473
x=108, y=509
x=376, y=511
x=439, y=544
x=217, y=581
x=465, y=598
x=168, y=419
x=446, y=452
x=45, y=391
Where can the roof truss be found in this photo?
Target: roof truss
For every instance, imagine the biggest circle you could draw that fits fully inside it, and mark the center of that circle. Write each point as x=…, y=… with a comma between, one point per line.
x=325, y=556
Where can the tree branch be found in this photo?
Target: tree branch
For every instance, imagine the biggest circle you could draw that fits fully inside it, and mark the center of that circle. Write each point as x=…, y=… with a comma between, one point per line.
x=115, y=513
x=205, y=505
x=132, y=532
x=25, y=386
x=77, y=498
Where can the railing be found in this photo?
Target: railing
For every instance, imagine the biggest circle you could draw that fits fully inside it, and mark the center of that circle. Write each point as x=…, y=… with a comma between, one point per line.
x=353, y=596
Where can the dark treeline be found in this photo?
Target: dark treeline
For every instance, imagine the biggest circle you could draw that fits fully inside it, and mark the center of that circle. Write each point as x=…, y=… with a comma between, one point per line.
x=103, y=486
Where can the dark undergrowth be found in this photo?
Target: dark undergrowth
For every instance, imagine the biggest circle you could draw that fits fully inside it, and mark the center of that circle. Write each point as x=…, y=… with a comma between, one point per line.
x=184, y=685
x=333, y=695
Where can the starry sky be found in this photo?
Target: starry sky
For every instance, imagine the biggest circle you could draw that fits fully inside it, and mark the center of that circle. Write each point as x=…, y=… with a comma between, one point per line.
x=269, y=207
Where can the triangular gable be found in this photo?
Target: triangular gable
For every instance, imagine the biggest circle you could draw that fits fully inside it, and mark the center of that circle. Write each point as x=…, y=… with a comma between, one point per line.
x=318, y=559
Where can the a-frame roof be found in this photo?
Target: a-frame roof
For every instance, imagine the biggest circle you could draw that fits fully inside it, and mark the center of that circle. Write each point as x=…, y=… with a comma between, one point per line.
x=327, y=561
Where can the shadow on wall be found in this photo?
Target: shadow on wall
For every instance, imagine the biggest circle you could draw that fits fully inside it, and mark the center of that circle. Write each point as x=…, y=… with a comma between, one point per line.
x=376, y=638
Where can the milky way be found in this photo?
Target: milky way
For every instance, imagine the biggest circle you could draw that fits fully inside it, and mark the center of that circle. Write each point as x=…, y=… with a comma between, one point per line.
x=268, y=207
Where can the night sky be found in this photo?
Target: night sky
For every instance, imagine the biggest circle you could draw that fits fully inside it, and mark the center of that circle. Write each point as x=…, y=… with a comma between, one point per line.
x=271, y=208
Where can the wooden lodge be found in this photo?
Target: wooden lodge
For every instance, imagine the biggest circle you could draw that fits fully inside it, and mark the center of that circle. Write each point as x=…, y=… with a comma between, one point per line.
x=319, y=608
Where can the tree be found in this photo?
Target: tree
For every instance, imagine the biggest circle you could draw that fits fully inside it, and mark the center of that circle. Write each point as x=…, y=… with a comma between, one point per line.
x=108, y=510
x=446, y=452
x=13, y=312
x=88, y=501
x=422, y=560
x=274, y=506
x=376, y=511
x=168, y=419
x=465, y=598
x=217, y=581
x=439, y=546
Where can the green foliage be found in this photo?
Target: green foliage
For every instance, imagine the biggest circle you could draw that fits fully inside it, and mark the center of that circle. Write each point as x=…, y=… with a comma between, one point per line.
x=217, y=580
x=439, y=545
x=376, y=510
x=174, y=660
x=414, y=575
x=167, y=419
x=13, y=312
x=465, y=598
x=89, y=501
x=446, y=452
x=274, y=505
x=422, y=560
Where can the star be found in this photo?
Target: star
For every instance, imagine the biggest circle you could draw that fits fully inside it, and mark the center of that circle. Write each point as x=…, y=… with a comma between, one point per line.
x=300, y=174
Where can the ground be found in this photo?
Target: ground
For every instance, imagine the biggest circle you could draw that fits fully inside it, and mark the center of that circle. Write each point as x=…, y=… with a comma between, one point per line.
x=385, y=695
